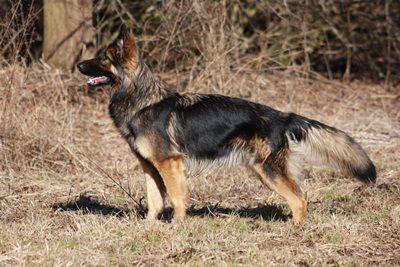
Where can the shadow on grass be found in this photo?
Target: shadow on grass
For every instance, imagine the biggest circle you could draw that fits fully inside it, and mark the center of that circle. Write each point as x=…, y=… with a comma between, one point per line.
x=91, y=205
x=265, y=212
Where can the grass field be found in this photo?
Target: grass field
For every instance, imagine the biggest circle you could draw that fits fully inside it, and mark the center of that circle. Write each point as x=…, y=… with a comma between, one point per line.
x=72, y=193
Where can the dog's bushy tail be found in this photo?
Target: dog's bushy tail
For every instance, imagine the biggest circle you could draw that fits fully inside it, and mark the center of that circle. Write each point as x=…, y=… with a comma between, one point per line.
x=326, y=145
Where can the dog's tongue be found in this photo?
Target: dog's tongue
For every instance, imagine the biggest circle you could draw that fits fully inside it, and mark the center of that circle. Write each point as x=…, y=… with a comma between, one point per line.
x=98, y=80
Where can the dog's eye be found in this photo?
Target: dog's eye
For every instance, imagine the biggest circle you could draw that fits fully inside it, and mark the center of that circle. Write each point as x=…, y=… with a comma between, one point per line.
x=105, y=61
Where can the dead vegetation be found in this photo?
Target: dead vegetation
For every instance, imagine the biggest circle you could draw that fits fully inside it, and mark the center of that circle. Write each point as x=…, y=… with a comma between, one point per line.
x=71, y=192
x=70, y=185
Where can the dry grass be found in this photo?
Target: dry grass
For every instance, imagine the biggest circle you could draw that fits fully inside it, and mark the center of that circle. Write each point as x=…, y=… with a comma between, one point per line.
x=62, y=167
x=71, y=192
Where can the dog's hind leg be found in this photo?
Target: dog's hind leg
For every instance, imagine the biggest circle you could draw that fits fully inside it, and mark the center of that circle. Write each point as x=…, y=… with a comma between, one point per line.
x=155, y=188
x=285, y=185
x=172, y=173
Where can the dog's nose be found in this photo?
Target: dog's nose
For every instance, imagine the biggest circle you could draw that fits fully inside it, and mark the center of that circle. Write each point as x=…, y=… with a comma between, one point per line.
x=81, y=66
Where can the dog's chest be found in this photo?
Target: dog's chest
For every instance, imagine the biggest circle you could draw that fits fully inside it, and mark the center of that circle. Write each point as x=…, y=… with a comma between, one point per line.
x=132, y=129
x=125, y=121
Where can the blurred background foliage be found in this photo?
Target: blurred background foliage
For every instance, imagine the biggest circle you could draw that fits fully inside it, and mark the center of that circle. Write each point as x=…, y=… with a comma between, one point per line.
x=339, y=39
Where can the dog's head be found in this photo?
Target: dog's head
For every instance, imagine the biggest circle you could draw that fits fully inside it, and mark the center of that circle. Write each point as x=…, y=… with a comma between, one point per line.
x=111, y=63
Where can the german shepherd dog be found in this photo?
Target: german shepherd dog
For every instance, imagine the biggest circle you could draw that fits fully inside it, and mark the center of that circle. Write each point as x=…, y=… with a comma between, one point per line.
x=175, y=135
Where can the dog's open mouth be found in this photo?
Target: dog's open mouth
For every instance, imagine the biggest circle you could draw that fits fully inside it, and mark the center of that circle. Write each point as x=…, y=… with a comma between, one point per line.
x=98, y=80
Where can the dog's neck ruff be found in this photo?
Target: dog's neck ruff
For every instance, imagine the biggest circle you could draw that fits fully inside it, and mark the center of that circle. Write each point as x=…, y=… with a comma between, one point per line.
x=144, y=88
x=137, y=91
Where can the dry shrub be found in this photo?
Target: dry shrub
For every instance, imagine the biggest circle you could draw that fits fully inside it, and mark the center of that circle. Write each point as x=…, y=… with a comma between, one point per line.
x=36, y=120
x=331, y=37
x=335, y=38
x=17, y=31
x=180, y=36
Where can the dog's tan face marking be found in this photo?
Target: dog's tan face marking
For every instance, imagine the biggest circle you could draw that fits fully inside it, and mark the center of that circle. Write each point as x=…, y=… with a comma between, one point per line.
x=114, y=70
x=111, y=55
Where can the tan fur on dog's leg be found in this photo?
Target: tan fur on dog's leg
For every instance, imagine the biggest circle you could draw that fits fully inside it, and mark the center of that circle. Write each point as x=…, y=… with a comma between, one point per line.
x=154, y=198
x=155, y=190
x=172, y=173
x=288, y=189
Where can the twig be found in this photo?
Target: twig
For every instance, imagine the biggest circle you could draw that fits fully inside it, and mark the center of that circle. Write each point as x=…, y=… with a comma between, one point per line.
x=106, y=174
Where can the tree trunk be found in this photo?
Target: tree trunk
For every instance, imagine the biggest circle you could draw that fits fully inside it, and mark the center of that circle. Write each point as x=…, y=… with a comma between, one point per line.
x=67, y=28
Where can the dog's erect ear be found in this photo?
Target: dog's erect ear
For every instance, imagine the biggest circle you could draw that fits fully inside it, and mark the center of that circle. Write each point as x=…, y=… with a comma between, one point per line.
x=127, y=45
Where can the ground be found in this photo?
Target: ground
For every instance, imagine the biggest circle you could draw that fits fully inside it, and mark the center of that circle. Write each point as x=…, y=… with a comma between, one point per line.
x=71, y=192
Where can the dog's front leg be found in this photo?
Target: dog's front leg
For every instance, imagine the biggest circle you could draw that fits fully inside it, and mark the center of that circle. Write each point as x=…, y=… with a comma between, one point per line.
x=172, y=173
x=156, y=191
